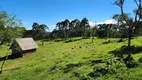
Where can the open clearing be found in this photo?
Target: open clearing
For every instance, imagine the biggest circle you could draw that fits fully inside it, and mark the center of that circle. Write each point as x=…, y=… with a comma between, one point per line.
x=70, y=61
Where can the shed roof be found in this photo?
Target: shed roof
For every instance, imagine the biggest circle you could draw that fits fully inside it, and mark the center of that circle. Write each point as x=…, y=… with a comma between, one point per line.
x=26, y=43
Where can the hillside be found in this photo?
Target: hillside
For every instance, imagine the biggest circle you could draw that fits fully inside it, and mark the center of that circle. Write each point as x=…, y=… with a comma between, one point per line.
x=78, y=59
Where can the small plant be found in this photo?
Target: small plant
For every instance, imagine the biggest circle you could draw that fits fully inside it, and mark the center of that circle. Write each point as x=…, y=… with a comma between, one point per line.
x=97, y=72
x=53, y=67
x=69, y=67
x=107, y=42
x=79, y=76
x=119, y=41
x=130, y=62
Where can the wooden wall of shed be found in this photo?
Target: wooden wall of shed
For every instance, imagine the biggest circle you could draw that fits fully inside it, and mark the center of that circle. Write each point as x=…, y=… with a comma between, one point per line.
x=24, y=53
x=29, y=52
x=16, y=49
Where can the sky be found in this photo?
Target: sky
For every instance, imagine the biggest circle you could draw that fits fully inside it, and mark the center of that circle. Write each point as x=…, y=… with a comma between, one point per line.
x=50, y=12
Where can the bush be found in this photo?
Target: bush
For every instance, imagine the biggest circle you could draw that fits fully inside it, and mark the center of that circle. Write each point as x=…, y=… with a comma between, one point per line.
x=130, y=62
x=140, y=59
x=97, y=72
x=79, y=76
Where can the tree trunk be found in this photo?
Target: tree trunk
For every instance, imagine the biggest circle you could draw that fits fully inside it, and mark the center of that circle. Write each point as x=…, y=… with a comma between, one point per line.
x=129, y=40
x=4, y=61
x=43, y=39
x=42, y=42
x=92, y=39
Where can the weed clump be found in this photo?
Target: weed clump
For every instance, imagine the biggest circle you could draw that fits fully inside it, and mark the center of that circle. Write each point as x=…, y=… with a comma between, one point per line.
x=69, y=67
x=107, y=42
x=119, y=41
x=53, y=67
x=129, y=61
x=97, y=72
x=79, y=76
x=140, y=59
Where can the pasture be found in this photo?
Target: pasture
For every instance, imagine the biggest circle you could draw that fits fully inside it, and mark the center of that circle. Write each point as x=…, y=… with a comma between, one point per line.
x=76, y=59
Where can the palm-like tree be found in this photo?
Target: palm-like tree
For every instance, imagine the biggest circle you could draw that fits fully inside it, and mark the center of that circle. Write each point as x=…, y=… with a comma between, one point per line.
x=58, y=26
x=85, y=26
x=35, y=26
x=66, y=24
x=75, y=24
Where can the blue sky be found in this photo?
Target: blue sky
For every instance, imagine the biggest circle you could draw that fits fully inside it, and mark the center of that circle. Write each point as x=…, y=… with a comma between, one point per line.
x=50, y=12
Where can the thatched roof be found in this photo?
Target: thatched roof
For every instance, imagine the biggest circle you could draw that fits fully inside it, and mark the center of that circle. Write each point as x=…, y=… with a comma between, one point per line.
x=26, y=43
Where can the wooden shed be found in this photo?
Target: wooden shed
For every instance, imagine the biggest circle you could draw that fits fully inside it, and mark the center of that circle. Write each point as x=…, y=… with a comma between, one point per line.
x=23, y=46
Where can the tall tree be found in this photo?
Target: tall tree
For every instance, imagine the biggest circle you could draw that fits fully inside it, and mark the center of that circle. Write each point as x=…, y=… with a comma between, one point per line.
x=56, y=31
x=66, y=24
x=121, y=25
x=85, y=27
x=93, y=31
x=58, y=26
x=42, y=29
x=35, y=26
x=72, y=24
x=10, y=28
x=129, y=22
x=78, y=28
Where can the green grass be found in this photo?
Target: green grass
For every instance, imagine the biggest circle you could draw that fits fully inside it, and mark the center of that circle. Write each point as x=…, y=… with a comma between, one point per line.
x=70, y=61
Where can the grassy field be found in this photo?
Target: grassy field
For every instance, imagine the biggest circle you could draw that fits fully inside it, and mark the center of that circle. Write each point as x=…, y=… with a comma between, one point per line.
x=76, y=60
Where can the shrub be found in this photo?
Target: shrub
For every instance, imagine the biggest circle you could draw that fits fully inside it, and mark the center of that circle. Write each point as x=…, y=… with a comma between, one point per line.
x=140, y=59
x=79, y=76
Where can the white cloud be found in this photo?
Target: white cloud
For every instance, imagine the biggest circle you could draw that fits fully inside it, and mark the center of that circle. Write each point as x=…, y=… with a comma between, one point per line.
x=92, y=24
x=111, y=21
x=51, y=27
x=70, y=20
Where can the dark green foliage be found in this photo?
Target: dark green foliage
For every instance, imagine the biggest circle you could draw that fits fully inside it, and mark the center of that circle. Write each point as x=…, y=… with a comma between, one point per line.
x=107, y=42
x=140, y=60
x=38, y=32
x=10, y=27
x=85, y=27
x=97, y=72
x=107, y=30
x=79, y=76
x=75, y=28
x=129, y=61
x=72, y=40
x=97, y=61
x=121, y=40
x=69, y=67
x=126, y=50
x=73, y=65
x=35, y=26
x=129, y=25
x=53, y=67
x=132, y=64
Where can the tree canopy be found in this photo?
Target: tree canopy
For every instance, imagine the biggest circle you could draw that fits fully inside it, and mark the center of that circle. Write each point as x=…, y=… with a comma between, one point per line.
x=10, y=27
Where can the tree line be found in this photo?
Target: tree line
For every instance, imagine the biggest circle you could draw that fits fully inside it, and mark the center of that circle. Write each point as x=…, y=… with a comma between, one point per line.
x=127, y=26
x=75, y=28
